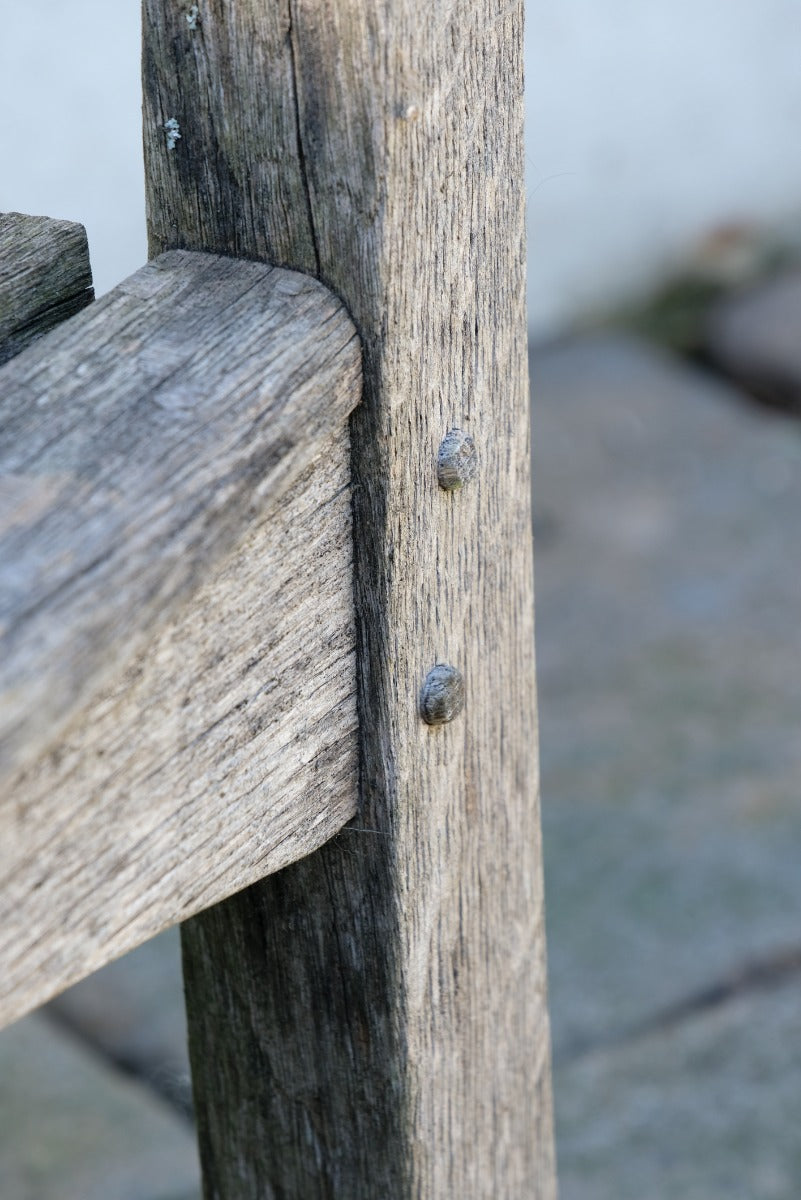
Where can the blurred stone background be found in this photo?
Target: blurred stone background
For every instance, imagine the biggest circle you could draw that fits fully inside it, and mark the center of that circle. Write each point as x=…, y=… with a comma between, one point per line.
x=664, y=196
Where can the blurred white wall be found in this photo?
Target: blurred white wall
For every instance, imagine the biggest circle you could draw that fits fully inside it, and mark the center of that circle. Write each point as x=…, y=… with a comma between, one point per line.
x=70, y=123
x=650, y=124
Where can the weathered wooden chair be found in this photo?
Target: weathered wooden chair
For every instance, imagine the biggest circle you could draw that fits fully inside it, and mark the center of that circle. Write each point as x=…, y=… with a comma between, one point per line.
x=240, y=607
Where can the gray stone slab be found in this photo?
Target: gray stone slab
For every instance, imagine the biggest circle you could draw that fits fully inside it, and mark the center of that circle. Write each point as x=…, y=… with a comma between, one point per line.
x=133, y=1012
x=705, y=1111
x=755, y=336
x=71, y=1129
x=668, y=581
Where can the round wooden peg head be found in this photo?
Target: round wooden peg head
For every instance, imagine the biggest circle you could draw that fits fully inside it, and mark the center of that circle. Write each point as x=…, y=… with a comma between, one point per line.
x=457, y=461
x=442, y=695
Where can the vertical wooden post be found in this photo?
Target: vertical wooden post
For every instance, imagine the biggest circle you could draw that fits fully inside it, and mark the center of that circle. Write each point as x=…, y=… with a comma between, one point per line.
x=371, y=1022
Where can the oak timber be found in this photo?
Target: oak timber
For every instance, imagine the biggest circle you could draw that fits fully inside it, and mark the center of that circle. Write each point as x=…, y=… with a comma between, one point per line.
x=177, y=694
x=135, y=445
x=372, y=1021
x=44, y=277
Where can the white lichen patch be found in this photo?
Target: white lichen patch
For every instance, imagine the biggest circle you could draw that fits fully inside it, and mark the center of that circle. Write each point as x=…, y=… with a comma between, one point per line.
x=173, y=132
x=192, y=17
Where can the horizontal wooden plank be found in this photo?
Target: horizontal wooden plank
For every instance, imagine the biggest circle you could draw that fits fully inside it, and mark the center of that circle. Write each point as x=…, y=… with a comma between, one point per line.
x=44, y=277
x=135, y=445
x=223, y=752
x=176, y=649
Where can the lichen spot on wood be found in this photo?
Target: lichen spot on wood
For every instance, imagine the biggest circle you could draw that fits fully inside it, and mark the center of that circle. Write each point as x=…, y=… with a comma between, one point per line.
x=457, y=460
x=442, y=695
x=173, y=131
x=193, y=16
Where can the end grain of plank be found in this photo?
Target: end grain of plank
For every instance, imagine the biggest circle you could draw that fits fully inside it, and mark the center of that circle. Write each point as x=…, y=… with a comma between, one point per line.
x=44, y=277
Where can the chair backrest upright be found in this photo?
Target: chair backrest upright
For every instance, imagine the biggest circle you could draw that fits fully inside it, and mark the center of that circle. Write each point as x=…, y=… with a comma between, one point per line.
x=392, y=986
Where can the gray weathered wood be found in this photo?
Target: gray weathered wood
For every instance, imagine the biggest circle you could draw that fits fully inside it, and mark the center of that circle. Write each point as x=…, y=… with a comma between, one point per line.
x=177, y=692
x=44, y=277
x=135, y=445
x=372, y=1022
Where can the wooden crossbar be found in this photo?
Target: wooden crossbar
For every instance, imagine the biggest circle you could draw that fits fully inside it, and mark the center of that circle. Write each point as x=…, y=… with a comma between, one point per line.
x=177, y=711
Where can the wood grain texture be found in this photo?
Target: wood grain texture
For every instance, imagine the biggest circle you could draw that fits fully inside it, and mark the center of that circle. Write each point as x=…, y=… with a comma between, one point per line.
x=135, y=446
x=372, y=1021
x=177, y=667
x=44, y=277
